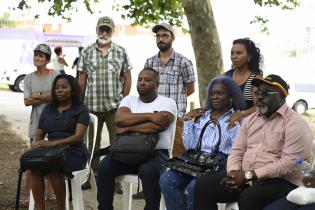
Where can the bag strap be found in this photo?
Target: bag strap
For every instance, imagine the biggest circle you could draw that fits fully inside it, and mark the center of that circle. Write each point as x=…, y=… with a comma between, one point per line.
x=216, y=123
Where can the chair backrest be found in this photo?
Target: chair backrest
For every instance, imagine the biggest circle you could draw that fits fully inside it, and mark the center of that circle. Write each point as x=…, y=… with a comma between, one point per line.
x=94, y=121
x=173, y=138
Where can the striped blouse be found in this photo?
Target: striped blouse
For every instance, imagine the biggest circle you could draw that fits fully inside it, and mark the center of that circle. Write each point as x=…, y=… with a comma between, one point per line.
x=246, y=87
x=210, y=138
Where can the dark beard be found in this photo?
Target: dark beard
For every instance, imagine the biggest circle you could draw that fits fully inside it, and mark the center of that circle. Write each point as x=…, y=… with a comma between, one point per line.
x=164, y=47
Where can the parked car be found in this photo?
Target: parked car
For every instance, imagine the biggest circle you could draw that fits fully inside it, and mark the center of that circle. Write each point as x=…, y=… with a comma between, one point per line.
x=14, y=77
x=301, y=97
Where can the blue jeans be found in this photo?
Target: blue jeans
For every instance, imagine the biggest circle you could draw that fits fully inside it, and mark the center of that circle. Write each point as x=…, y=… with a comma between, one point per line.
x=173, y=185
x=284, y=204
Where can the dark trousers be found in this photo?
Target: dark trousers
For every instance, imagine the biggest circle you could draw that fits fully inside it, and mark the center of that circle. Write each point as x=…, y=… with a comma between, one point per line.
x=209, y=192
x=149, y=173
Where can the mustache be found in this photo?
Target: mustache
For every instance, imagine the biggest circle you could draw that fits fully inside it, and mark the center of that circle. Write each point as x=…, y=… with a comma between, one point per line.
x=103, y=37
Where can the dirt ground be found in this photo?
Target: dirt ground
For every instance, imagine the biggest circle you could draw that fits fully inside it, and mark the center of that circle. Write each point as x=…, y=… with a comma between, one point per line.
x=12, y=146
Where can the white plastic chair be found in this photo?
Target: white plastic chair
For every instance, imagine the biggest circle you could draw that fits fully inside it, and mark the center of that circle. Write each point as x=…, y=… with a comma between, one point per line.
x=231, y=206
x=79, y=176
x=129, y=179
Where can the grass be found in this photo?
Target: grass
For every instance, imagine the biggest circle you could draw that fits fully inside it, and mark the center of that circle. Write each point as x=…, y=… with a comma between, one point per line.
x=4, y=87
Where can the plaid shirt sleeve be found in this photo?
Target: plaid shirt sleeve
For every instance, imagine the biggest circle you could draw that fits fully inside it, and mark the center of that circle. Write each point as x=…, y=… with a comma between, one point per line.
x=81, y=64
x=126, y=63
x=188, y=72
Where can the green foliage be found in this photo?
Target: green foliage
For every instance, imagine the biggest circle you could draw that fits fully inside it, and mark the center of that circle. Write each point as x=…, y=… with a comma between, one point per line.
x=263, y=21
x=59, y=7
x=5, y=21
x=144, y=12
x=283, y=4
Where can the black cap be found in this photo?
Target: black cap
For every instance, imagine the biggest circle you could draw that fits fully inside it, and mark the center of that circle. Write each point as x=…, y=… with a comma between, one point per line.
x=273, y=80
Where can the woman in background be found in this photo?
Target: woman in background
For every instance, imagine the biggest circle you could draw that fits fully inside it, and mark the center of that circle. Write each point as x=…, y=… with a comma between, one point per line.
x=246, y=65
x=59, y=61
x=65, y=121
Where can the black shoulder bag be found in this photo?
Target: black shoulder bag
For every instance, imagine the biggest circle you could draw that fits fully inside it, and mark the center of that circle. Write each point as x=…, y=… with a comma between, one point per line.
x=195, y=162
x=133, y=147
x=43, y=158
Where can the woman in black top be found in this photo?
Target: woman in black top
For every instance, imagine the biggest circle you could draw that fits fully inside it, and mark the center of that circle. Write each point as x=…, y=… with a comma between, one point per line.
x=65, y=121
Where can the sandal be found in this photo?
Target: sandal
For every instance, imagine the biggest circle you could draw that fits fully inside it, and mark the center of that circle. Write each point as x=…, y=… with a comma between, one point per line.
x=24, y=203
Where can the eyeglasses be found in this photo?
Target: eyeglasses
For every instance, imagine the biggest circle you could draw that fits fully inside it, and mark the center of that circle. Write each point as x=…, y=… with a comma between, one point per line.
x=163, y=36
x=265, y=93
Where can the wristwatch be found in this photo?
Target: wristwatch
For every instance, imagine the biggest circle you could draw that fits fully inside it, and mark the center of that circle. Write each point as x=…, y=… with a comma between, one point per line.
x=248, y=175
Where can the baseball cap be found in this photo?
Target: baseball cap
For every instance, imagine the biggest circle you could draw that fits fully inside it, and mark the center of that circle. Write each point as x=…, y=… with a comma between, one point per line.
x=163, y=25
x=44, y=48
x=273, y=80
x=106, y=21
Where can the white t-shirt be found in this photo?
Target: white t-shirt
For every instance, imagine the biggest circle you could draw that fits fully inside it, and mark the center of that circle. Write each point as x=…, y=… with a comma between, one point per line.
x=161, y=103
x=56, y=65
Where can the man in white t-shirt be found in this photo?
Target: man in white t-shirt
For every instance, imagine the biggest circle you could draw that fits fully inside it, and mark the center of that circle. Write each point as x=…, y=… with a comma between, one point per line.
x=146, y=113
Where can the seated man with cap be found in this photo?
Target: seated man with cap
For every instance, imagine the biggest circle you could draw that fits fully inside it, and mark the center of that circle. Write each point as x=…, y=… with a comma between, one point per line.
x=261, y=166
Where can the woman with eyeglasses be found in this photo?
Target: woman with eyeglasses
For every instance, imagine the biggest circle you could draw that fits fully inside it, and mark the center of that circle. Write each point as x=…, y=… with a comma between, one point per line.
x=223, y=98
x=246, y=65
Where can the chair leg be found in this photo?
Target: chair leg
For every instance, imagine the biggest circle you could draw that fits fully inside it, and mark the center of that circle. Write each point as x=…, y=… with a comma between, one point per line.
x=67, y=195
x=127, y=195
x=31, y=205
x=77, y=197
x=162, y=203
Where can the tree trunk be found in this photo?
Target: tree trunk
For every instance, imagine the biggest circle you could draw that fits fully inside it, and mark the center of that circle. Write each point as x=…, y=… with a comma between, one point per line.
x=205, y=41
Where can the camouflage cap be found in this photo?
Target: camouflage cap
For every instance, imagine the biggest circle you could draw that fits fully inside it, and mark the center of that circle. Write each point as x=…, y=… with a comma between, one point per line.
x=44, y=48
x=106, y=21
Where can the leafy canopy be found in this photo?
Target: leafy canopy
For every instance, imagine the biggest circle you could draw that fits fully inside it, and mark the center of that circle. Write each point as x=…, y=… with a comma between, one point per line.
x=145, y=12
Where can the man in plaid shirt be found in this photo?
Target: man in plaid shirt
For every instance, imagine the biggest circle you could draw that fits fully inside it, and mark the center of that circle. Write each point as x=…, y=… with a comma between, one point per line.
x=105, y=78
x=177, y=78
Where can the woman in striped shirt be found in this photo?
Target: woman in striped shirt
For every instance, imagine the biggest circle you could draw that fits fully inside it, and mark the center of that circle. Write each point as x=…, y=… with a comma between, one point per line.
x=246, y=65
x=223, y=98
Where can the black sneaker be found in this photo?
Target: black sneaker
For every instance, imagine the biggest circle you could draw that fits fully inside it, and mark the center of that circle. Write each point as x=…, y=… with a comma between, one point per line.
x=138, y=196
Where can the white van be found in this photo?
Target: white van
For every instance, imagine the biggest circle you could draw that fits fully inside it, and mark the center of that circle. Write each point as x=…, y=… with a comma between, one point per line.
x=21, y=44
x=301, y=97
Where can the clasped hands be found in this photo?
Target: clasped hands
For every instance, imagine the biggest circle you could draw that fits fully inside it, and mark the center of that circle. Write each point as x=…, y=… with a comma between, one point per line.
x=234, y=180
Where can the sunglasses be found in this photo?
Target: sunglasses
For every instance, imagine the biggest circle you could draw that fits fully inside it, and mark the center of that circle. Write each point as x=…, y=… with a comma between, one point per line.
x=265, y=93
x=106, y=29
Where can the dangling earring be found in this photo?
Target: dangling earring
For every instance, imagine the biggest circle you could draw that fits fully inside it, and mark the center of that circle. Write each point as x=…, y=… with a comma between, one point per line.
x=231, y=102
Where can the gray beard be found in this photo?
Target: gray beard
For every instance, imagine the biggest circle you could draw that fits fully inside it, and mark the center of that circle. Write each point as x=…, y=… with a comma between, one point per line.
x=103, y=41
x=262, y=110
